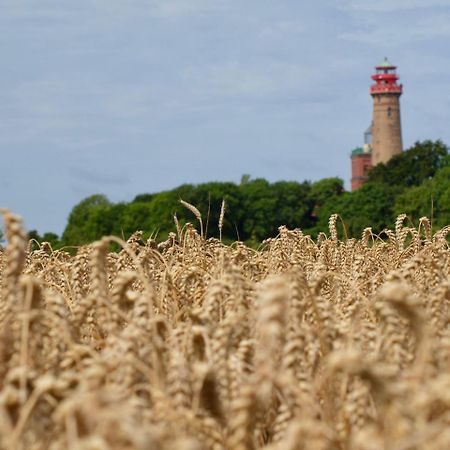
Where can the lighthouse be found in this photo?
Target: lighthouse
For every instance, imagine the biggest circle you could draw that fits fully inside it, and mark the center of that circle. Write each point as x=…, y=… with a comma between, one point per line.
x=383, y=139
x=386, y=125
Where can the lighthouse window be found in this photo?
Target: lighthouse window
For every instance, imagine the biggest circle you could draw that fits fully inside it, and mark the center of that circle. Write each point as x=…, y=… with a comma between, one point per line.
x=389, y=111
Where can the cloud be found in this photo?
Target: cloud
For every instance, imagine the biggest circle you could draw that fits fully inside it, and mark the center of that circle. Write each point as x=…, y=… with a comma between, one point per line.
x=38, y=108
x=99, y=178
x=233, y=78
x=170, y=8
x=89, y=15
x=400, y=30
x=129, y=101
x=50, y=108
x=35, y=9
x=282, y=29
x=389, y=6
x=163, y=8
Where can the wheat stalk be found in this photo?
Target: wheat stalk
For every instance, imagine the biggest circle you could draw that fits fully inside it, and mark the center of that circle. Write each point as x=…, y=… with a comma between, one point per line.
x=191, y=344
x=196, y=213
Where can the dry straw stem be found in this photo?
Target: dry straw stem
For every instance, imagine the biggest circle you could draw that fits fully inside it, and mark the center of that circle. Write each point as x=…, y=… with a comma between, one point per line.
x=221, y=218
x=14, y=259
x=178, y=228
x=191, y=344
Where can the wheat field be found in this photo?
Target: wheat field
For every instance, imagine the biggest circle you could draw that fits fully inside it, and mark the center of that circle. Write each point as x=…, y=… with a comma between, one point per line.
x=191, y=344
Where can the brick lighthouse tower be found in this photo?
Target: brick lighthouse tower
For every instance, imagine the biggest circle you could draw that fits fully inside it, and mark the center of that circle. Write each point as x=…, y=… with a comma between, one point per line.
x=386, y=127
x=383, y=139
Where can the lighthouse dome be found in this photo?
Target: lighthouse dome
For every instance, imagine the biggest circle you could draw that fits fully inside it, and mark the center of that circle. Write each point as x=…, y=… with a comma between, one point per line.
x=385, y=65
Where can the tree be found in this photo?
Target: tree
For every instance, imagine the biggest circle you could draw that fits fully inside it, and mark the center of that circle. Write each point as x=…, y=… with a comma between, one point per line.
x=245, y=178
x=294, y=205
x=258, y=208
x=323, y=190
x=33, y=234
x=412, y=167
x=207, y=198
x=143, y=198
x=136, y=216
x=51, y=238
x=88, y=221
x=266, y=206
x=431, y=199
x=370, y=206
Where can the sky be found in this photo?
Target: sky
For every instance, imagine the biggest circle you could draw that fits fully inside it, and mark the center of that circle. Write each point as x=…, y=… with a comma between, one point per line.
x=122, y=97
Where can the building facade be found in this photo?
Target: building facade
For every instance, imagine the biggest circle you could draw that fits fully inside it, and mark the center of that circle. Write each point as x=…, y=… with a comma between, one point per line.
x=383, y=139
x=386, y=125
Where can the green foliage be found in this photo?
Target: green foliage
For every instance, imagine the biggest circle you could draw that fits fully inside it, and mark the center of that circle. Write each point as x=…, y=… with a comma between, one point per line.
x=294, y=205
x=371, y=205
x=254, y=210
x=33, y=234
x=51, y=238
x=88, y=221
x=413, y=167
x=245, y=178
x=411, y=182
x=266, y=206
x=143, y=198
x=431, y=199
x=208, y=198
x=259, y=205
x=325, y=189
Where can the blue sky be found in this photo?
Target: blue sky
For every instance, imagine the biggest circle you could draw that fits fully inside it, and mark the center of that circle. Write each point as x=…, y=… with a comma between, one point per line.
x=123, y=97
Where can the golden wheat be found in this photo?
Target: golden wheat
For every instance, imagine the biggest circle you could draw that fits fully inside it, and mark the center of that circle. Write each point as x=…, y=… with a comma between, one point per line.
x=191, y=344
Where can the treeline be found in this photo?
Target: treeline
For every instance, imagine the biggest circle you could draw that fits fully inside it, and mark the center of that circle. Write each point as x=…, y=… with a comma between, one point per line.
x=417, y=182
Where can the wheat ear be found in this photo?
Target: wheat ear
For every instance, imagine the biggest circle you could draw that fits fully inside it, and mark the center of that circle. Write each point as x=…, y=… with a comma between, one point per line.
x=196, y=213
x=221, y=217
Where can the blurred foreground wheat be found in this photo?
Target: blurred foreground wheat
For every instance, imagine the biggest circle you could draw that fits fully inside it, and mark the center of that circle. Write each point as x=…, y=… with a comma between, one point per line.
x=194, y=345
